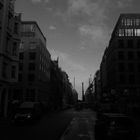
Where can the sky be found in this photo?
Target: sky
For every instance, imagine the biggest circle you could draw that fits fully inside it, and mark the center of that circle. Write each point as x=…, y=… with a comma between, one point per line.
x=77, y=31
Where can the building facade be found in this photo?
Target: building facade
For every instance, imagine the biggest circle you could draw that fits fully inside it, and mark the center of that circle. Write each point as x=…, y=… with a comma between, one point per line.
x=120, y=66
x=62, y=93
x=56, y=85
x=34, y=65
x=9, y=47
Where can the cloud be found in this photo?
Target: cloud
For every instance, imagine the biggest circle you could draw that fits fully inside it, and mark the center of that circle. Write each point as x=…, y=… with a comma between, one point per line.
x=79, y=7
x=93, y=19
x=52, y=27
x=123, y=3
x=82, y=47
x=36, y=1
x=94, y=35
x=91, y=10
x=92, y=26
x=46, y=1
x=85, y=7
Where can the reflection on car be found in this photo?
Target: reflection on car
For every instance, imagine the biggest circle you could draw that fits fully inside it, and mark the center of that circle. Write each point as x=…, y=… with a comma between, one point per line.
x=112, y=126
x=23, y=116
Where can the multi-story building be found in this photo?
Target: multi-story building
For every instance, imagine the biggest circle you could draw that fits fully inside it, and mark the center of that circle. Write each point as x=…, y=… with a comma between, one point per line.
x=9, y=46
x=62, y=93
x=97, y=85
x=69, y=94
x=34, y=65
x=120, y=67
x=56, y=85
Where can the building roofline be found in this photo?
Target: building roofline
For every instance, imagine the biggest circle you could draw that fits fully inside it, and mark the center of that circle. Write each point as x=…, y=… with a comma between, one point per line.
x=129, y=14
x=34, y=22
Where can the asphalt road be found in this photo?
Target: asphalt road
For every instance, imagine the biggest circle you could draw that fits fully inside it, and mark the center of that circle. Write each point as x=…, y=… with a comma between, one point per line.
x=81, y=126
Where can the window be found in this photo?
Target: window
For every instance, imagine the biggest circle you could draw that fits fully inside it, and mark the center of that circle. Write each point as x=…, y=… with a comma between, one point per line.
x=121, y=32
x=21, y=55
x=20, y=66
x=28, y=28
x=30, y=95
x=121, y=67
x=131, y=67
x=122, y=79
x=31, y=66
x=31, y=77
x=130, y=43
x=21, y=46
x=131, y=79
x=14, y=49
x=121, y=55
x=137, y=21
x=120, y=43
x=32, y=45
x=130, y=55
x=129, y=22
x=138, y=43
x=128, y=32
x=7, y=45
x=16, y=28
x=32, y=55
x=20, y=77
x=139, y=67
x=4, y=70
x=138, y=55
x=13, y=72
x=122, y=22
x=137, y=32
x=9, y=20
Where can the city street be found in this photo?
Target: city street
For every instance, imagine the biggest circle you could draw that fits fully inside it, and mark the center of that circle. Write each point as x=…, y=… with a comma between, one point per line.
x=69, y=70
x=65, y=125
x=81, y=126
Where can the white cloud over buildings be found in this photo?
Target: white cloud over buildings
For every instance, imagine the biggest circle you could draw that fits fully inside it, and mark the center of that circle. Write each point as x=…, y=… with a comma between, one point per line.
x=51, y=27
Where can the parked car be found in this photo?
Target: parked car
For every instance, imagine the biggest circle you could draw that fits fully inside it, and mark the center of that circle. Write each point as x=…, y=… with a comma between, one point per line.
x=28, y=112
x=113, y=126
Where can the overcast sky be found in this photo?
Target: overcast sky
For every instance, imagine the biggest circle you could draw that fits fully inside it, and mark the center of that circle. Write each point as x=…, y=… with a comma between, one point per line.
x=77, y=31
